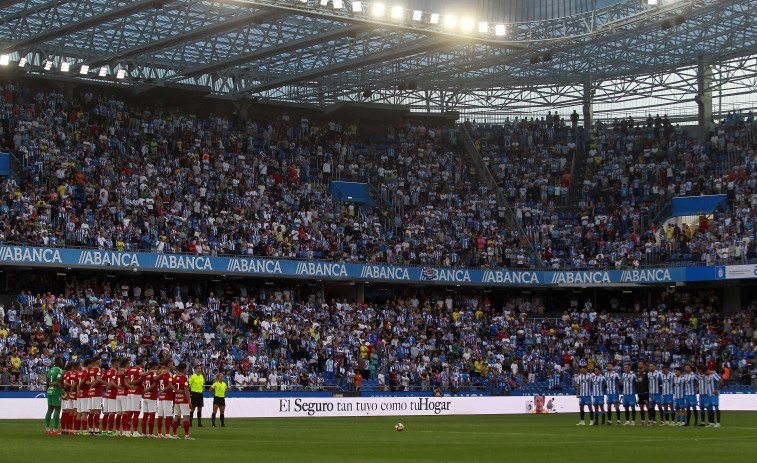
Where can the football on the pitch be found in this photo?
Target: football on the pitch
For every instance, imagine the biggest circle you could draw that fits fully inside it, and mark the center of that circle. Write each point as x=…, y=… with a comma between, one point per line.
x=399, y=427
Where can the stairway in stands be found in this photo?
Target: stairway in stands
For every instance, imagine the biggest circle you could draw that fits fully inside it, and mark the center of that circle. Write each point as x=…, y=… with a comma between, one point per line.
x=388, y=207
x=485, y=175
x=577, y=174
x=10, y=166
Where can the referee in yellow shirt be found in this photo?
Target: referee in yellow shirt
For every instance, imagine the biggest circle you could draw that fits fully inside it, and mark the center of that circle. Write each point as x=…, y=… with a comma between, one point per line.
x=219, y=399
x=196, y=384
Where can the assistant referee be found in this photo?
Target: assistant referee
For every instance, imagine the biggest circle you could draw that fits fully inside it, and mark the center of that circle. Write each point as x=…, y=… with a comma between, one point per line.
x=219, y=399
x=196, y=384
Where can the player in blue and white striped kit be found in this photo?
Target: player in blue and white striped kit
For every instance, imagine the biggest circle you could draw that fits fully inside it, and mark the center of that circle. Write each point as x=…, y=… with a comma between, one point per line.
x=655, y=393
x=678, y=397
x=668, y=401
x=629, y=394
x=613, y=397
x=598, y=396
x=712, y=383
x=583, y=392
x=704, y=401
x=690, y=394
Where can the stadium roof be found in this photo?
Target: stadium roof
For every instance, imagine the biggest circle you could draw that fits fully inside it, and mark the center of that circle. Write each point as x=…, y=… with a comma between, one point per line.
x=322, y=52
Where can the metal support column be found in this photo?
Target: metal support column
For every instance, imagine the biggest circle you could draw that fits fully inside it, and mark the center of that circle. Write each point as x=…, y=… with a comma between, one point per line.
x=588, y=107
x=704, y=97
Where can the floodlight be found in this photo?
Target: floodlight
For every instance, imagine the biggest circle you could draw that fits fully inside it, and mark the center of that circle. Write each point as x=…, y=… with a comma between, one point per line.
x=483, y=27
x=417, y=15
x=103, y=71
x=499, y=29
x=22, y=62
x=5, y=59
x=121, y=74
x=450, y=20
x=64, y=66
x=467, y=24
x=378, y=9
x=84, y=69
x=48, y=65
x=434, y=18
x=338, y=4
x=324, y=2
x=357, y=7
x=397, y=12
x=652, y=2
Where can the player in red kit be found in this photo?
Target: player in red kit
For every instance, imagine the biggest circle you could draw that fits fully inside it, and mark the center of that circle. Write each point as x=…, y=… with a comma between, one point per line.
x=150, y=398
x=180, y=385
x=122, y=404
x=95, y=396
x=134, y=394
x=82, y=400
x=69, y=405
x=111, y=390
x=165, y=400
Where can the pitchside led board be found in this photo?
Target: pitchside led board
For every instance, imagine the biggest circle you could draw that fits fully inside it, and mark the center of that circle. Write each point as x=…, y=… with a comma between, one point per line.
x=313, y=407
x=157, y=262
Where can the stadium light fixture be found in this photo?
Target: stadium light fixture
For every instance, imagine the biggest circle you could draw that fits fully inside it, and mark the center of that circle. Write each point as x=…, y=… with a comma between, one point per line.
x=338, y=4
x=84, y=69
x=450, y=20
x=417, y=15
x=324, y=2
x=434, y=18
x=653, y=2
x=379, y=9
x=303, y=1
x=467, y=24
x=483, y=27
x=397, y=12
x=103, y=71
x=499, y=30
x=48, y=65
x=22, y=62
x=121, y=74
x=5, y=59
x=357, y=7
x=65, y=66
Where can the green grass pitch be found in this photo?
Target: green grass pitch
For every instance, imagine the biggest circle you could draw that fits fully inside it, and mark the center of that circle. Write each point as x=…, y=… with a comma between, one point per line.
x=531, y=438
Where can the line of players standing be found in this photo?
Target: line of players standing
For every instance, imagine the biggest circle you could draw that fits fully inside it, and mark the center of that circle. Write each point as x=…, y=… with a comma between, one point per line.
x=120, y=393
x=672, y=393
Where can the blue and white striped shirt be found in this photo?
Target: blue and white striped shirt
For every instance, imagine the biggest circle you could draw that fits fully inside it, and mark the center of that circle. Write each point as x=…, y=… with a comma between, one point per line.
x=583, y=382
x=711, y=383
x=629, y=383
x=689, y=385
x=654, y=382
x=702, y=384
x=597, y=386
x=667, y=383
x=611, y=382
x=678, y=382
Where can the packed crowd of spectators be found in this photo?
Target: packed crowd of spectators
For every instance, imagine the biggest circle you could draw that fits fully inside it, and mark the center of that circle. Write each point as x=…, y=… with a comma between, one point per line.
x=107, y=174
x=443, y=214
x=634, y=168
x=274, y=338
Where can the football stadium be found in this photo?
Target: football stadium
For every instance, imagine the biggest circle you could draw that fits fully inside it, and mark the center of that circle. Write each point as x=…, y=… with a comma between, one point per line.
x=392, y=230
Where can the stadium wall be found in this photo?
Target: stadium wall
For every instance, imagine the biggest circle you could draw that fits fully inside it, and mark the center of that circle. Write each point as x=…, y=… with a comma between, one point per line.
x=288, y=407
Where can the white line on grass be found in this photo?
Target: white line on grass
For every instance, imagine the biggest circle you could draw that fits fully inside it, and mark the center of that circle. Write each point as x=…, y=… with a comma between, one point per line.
x=571, y=442
x=504, y=433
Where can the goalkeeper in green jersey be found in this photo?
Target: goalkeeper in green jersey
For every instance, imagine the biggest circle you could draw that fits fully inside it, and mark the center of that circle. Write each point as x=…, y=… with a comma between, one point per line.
x=54, y=381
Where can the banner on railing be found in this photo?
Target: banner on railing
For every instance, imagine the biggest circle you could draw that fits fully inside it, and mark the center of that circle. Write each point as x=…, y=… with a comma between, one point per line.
x=143, y=261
